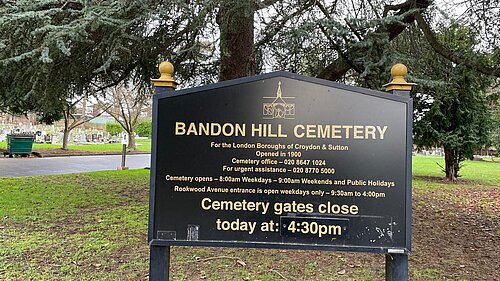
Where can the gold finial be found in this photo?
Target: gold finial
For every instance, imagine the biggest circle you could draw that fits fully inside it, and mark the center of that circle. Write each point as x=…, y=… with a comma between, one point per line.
x=398, y=73
x=166, y=79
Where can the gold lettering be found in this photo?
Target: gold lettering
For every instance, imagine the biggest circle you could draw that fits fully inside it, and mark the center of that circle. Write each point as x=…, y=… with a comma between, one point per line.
x=323, y=131
x=310, y=131
x=225, y=130
x=382, y=131
x=358, y=132
x=321, y=208
x=296, y=133
x=204, y=129
x=191, y=129
x=336, y=132
x=370, y=130
x=180, y=128
x=240, y=129
x=256, y=130
x=347, y=127
x=203, y=206
x=215, y=129
x=280, y=133
x=269, y=131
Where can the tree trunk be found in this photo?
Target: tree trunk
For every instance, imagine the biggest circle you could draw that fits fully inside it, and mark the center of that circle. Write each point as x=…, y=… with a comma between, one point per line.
x=236, y=24
x=66, y=132
x=131, y=141
x=452, y=164
x=65, y=138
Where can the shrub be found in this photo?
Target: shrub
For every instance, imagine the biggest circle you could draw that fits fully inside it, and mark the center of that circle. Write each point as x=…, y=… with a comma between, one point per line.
x=144, y=129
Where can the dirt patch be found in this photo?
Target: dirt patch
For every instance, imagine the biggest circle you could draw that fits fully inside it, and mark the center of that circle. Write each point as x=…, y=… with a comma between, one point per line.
x=479, y=199
x=456, y=237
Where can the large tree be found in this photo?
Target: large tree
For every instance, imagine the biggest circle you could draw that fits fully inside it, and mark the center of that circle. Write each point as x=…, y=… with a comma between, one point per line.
x=48, y=47
x=236, y=24
x=457, y=120
x=451, y=107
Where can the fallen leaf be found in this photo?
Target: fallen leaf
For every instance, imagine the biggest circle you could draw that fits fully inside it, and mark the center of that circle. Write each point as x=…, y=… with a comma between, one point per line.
x=342, y=272
x=240, y=263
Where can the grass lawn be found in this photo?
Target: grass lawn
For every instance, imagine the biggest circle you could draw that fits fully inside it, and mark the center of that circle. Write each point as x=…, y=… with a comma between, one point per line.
x=142, y=145
x=485, y=172
x=93, y=226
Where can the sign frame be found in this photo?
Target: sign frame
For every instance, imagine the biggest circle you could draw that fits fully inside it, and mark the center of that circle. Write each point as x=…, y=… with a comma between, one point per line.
x=406, y=100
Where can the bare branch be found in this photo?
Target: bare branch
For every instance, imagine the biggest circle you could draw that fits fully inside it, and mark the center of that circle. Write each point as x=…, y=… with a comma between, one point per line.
x=446, y=53
x=354, y=30
x=273, y=29
x=373, y=9
x=87, y=119
x=337, y=69
x=264, y=4
x=397, y=7
x=72, y=5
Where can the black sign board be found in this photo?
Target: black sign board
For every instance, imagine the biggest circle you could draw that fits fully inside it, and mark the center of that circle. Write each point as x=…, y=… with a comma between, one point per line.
x=282, y=161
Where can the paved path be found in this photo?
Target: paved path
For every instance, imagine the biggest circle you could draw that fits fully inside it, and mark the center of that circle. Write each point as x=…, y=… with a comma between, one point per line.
x=68, y=165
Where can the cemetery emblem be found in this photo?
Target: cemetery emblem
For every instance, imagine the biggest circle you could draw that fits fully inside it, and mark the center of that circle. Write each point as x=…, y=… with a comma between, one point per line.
x=279, y=108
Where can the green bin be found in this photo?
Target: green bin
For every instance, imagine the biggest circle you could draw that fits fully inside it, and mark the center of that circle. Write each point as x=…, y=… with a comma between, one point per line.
x=20, y=144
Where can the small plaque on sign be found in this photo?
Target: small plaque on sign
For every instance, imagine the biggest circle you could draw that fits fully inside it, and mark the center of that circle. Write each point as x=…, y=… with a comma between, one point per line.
x=166, y=235
x=125, y=139
x=314, y=227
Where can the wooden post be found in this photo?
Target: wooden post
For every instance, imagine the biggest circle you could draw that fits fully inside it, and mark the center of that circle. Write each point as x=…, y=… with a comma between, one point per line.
x=396, y=264
x=159, y=256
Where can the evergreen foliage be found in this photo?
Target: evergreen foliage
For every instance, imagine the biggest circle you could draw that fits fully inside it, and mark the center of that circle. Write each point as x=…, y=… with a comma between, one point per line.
x=494, y=106
x=145, y=128
x=53, y=51
x=451, y=105
x=113, y=128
